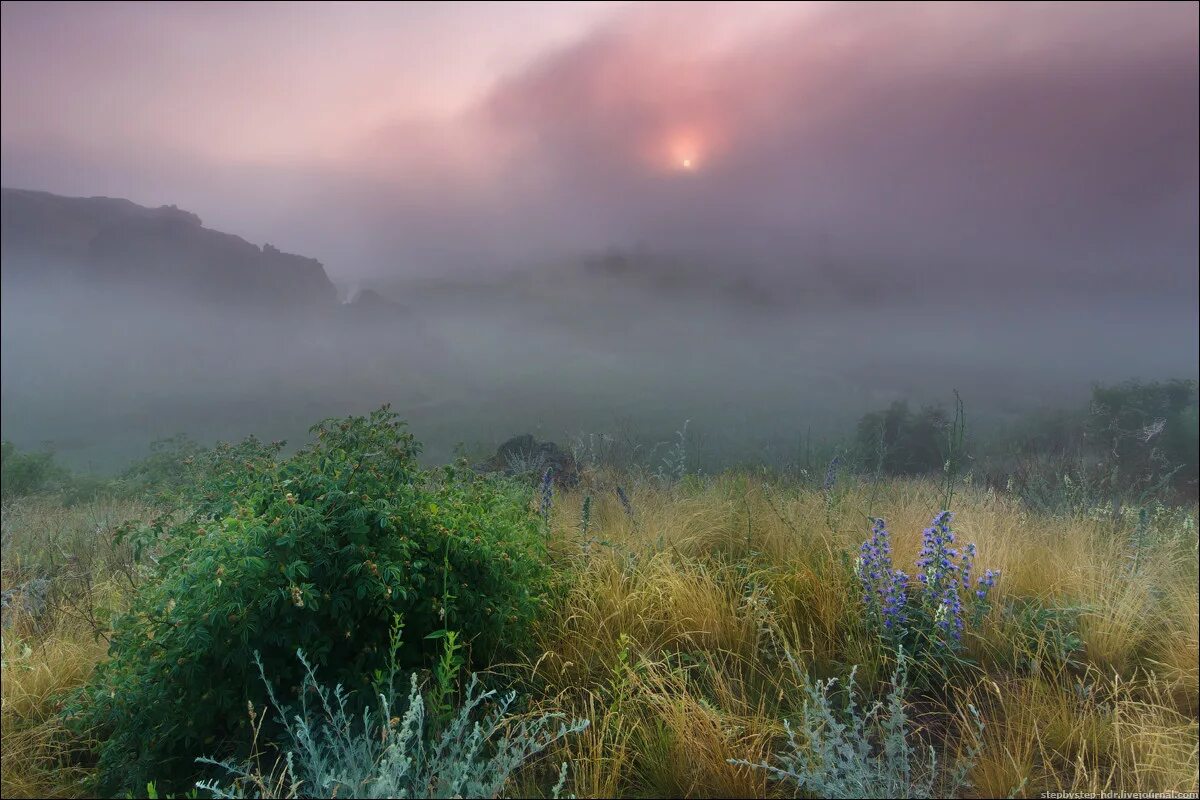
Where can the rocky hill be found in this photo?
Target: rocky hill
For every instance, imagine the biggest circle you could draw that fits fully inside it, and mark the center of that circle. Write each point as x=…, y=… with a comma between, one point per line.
x=114, y=243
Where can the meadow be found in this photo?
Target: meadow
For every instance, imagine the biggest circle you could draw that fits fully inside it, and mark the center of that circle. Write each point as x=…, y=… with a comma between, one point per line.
x=631, y=400
x=819, y=629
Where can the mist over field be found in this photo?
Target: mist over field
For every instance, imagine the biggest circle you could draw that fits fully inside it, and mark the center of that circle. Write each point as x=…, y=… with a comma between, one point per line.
x=99, y=375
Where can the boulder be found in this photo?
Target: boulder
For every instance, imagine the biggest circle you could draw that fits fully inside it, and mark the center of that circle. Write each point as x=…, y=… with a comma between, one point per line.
x=526, y=456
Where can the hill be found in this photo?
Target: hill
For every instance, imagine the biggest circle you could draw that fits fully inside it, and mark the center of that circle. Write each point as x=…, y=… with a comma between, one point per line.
x=106, y=242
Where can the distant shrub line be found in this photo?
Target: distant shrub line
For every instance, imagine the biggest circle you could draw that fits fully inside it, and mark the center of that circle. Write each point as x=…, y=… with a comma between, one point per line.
x=1135, y=443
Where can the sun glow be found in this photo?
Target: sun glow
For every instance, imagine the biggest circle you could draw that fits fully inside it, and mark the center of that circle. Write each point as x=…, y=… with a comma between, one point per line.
x=682, y=149
x=684, y=153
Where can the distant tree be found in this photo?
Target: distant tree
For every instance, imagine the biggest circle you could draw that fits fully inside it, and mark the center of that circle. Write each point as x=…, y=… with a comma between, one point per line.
x=27, y=473
x=1146, y=430
x=901, y=442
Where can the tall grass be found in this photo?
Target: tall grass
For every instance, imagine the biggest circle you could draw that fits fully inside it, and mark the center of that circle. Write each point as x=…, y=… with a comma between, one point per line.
x=40, y=758
x=671, y=628
x=671, y=637
x=51, y=649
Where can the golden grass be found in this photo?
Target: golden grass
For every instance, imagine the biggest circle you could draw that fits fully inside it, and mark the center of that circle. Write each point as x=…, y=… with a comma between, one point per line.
x=40, y=758
x=1095, y=734
x=672, y=633
x=46, y=658
x=671, y=639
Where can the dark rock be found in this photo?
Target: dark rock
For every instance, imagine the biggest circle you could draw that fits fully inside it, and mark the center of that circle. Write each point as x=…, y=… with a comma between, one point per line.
x=526, y=456
x=27, y=599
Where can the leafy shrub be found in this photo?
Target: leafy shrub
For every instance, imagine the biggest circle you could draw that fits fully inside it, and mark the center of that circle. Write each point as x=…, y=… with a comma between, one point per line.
x=320, y=550
x=331, y=752
x=169, y=468
x=1057, y=433
x=1043, y=637
x=23, y=474
x=862, y=752
x=1181, y=443
x=899, y=442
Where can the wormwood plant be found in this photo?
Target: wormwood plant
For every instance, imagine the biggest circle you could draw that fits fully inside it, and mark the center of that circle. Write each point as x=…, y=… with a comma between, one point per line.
x=862, y=752
x=320, y=551
x=332, y=751
x=674, y=463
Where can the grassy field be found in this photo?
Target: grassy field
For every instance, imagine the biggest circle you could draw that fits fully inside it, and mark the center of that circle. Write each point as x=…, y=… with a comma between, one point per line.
x=689, y=625
x=50, y=653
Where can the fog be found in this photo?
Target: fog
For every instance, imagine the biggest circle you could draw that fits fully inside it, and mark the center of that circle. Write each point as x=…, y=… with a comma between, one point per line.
x=767, y=221
x=98, y=376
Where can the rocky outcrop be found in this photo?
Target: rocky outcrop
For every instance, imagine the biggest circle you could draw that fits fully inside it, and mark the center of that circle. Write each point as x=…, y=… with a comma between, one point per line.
x=102, y=241
x=526, y=456
x=371, y=305
x=28, y=599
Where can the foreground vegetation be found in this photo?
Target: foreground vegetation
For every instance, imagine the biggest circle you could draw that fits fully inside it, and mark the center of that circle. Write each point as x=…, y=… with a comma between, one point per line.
x=666, y=633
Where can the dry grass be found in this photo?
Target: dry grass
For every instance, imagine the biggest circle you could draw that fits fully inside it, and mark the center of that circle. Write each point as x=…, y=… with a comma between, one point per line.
x=671, y=640
x=672, y=632
x=50, y=655
x=1085, y=735
x=41, y=759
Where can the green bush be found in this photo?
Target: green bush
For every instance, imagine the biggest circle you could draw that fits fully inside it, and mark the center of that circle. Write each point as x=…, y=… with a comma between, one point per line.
x=23, y=474
x=1135, y=444
x=169, y=468
x=1181, y=445
x=1057, y=433
x=318, y=551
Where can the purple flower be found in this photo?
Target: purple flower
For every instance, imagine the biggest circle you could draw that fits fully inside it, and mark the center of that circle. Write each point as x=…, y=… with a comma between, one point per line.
x=968, y=563
x=625, y=504
x=936, y=559
x=943, y=584
x=547, y=493
x=885, y=590
x=831, y=474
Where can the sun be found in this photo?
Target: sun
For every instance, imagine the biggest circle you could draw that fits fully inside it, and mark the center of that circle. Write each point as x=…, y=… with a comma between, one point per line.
x=682, y=151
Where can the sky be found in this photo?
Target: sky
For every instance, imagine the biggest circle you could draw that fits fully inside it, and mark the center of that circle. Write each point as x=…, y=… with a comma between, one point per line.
x=1027, y=147
x=817, y=208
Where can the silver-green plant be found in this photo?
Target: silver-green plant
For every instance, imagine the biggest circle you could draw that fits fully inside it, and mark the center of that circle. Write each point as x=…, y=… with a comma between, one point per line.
x=862, y=752
x=329, y=751
x=522, y=464
x=674, y=463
